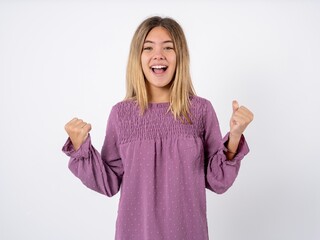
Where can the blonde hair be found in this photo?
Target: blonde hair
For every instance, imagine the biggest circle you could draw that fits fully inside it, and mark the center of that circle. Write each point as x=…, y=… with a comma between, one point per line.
x=181, y=88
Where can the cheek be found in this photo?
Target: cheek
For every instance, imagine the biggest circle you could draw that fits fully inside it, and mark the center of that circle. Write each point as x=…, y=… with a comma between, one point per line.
x=174, y=65
x=144, y=64
x=173, y=60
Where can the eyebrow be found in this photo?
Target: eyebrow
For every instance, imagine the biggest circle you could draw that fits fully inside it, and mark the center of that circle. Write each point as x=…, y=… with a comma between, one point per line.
x=167, y=41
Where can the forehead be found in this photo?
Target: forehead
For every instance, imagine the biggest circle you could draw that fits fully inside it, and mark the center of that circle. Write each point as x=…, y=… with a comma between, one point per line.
x=158, y=34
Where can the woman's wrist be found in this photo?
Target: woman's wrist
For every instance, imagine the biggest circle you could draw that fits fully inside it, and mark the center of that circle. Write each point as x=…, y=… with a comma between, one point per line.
x=235, y=136
x=232, y=145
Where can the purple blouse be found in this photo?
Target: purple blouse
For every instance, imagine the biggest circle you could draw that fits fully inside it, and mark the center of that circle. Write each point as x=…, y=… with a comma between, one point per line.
x=161, y=166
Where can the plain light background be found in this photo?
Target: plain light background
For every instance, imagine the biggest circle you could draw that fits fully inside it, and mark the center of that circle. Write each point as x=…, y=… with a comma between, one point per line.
x=60, y=59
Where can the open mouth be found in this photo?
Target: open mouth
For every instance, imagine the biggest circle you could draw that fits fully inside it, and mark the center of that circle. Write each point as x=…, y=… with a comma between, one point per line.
x=159, y=68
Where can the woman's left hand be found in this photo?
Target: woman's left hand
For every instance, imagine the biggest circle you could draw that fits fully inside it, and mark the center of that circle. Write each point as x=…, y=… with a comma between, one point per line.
x=240, y=119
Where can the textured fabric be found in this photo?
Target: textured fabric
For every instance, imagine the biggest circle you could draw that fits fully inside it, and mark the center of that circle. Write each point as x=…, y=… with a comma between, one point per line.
x=162, y=167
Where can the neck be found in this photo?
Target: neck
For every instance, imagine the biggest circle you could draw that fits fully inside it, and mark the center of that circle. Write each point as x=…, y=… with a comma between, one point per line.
x=158, y=95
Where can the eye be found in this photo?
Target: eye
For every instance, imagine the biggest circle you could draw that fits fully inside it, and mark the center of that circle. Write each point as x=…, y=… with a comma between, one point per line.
x=147, y=48
x=168, y=48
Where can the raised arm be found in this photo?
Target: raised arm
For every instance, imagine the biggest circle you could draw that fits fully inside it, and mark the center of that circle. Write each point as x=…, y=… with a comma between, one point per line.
x=220, y=172
x=99, y=172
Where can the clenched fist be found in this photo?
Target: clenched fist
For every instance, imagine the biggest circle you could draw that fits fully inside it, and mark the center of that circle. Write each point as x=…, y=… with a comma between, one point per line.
x=78, y=131
x=240, y=119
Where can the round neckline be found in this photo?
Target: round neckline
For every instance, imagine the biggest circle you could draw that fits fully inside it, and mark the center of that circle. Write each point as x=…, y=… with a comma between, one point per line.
x=158, y=104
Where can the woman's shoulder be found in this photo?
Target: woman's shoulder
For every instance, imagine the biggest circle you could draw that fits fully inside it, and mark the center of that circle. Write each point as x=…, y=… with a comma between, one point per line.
x=198, y=101
x=125, y=109
x=125, y=103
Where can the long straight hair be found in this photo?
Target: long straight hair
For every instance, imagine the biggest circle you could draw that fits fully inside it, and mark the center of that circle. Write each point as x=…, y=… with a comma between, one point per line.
x=181, y=86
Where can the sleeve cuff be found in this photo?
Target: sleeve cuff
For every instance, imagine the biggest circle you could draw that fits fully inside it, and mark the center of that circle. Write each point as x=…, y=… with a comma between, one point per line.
x=82, y=152
x=243, y=149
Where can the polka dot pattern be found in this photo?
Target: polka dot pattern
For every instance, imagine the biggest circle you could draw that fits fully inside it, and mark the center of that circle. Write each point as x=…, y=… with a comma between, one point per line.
x=161, y=167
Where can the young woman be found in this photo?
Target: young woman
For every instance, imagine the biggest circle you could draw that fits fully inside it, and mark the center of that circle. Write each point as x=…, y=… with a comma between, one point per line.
x=163, y=145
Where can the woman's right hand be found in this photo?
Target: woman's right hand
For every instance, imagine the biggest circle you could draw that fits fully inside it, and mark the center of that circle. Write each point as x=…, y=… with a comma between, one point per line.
x=78, y=131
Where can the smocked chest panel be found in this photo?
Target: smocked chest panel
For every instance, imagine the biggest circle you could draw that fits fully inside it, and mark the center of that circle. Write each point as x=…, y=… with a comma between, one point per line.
x=157, y=122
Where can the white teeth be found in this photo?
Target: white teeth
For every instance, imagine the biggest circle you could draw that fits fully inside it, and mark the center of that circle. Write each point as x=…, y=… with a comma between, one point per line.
x=158, y=66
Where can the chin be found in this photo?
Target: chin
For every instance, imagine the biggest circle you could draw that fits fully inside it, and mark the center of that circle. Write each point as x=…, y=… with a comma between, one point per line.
x=160, y=84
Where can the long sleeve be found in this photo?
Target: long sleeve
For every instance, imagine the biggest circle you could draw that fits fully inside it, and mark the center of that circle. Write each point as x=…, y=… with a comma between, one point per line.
x=220, y=172
x=99, y=172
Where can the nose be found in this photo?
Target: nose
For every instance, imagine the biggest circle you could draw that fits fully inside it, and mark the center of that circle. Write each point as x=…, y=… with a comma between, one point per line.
x=158, y=55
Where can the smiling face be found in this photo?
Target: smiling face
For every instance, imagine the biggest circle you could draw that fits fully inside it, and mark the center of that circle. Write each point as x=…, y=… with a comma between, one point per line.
x=158, y=60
